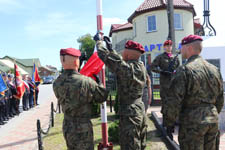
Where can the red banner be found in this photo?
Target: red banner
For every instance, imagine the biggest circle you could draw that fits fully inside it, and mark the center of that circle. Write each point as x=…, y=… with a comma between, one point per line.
x=93, y=66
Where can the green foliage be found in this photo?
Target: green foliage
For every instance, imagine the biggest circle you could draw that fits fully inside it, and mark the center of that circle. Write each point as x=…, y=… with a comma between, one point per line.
x=62, y=69
x=11, y=70
x=95, y=109
x=87, y=44
x=116, y=105
x=113, y=132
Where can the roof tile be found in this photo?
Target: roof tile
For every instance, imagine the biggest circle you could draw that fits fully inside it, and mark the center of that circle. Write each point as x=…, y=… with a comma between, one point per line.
x=149, y=5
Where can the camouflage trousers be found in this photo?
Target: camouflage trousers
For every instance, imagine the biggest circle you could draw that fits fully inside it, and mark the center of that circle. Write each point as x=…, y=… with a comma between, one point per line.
x=145, y=98
x=78, y=135
x=133, y=132
x=198, y=136
x=163, y=104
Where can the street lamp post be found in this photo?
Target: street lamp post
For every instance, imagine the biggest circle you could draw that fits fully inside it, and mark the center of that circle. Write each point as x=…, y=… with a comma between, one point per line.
x=171, y=34
x=207, y=27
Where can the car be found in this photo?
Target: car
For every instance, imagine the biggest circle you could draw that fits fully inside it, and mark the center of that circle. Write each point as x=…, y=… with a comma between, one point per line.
x=48, y=80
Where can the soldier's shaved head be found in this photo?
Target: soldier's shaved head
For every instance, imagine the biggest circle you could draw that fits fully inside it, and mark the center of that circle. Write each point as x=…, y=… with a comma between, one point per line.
x=130, y=54
x=70, y=62
x=191, y=49
x=197, y=46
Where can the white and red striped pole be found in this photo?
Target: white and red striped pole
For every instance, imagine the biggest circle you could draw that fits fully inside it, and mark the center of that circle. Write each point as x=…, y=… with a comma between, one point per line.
x=99, y=16
x=104, y=145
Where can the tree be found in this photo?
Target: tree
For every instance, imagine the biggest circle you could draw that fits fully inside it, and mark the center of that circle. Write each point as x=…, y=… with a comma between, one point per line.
x=11, y=71
x=87, y=44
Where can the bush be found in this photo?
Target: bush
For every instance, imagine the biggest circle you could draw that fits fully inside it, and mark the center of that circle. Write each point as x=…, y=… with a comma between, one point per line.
x=116, y=105
x=113, y=132
x=95, y=109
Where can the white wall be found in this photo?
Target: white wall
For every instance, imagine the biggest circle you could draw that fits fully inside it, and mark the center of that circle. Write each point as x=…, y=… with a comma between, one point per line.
x=161, y=34
x=121, y=35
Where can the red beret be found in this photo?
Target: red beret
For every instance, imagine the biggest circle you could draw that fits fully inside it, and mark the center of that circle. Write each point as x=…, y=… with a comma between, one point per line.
x=190, y=38
x=168, y=42
x=134, y=46
x=70, y=51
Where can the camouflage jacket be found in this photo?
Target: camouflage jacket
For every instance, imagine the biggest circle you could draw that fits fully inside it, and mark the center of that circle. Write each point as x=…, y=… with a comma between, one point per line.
x=131, y=78
x=162, y=63
x=195, y=93
x=76, y=93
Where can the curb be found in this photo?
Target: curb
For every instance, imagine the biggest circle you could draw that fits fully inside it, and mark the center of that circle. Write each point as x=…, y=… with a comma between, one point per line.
x=173, y=144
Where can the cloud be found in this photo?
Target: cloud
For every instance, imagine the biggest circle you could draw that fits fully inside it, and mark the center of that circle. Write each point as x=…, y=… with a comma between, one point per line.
x=54, y=24
x=109, y=21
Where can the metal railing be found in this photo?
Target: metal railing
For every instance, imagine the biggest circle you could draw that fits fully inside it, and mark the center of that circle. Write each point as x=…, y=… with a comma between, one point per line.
x=40, y=131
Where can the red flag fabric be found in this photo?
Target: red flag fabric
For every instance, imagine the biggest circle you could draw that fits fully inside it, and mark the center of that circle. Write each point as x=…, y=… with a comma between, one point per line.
x=93, y=66
x=35, y=76
x=20, y=88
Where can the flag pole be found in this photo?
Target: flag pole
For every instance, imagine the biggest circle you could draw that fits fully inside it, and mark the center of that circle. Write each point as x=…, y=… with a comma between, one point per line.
x=104, y=145
x=33, y=75
x=15, y=74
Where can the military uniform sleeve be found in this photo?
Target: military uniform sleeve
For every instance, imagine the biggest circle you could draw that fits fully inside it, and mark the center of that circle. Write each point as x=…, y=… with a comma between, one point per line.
x=155, y=66
x=112, y=59
x=176, y=94
x=220, y=99
x=99, y=93
x=55, y=89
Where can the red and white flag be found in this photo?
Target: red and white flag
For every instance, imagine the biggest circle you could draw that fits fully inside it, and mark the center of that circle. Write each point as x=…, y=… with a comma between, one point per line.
x=20, y=88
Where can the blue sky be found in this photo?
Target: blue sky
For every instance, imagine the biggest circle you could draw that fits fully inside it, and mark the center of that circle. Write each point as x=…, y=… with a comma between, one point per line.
x=40, y=28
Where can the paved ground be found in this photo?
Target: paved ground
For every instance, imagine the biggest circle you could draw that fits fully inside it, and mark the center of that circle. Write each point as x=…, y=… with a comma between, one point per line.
x=20, y=132
x=175, y=135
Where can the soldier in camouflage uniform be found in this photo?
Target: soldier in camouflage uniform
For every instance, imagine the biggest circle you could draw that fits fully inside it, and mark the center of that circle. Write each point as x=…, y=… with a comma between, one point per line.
x=165, y=64
x=131, y=77
x=196, y=97
x=75, y=93
x=147, y=94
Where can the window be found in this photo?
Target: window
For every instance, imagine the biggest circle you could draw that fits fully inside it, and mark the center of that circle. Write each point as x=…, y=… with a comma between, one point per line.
x=151, y=23
x=178, y=21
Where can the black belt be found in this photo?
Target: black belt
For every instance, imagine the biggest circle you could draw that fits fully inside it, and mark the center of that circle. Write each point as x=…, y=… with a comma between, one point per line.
x=199, y=105
x=133, y=102
x=77, y=119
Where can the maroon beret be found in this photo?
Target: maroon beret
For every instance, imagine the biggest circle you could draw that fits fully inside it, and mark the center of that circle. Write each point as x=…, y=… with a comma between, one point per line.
x=190, y=38
x=70, y=51
x=134, y=46
x=168, y=42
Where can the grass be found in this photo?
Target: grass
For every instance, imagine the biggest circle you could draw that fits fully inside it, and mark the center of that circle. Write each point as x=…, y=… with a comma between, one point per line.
x=156, y=95
x=55, y=137
x=113, y=94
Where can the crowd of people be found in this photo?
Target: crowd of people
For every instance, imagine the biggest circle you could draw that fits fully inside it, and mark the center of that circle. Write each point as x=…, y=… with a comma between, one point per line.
x=192, y=95
x=9, y=102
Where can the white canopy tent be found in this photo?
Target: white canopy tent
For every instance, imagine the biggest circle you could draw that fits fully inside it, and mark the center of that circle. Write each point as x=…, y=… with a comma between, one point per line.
x=214, y=48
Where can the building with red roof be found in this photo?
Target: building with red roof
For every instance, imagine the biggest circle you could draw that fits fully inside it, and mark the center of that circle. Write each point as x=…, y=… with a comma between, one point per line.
x=148, y=25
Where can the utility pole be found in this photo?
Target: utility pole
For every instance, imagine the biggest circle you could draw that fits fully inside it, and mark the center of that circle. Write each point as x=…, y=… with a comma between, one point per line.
x=170, y=13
